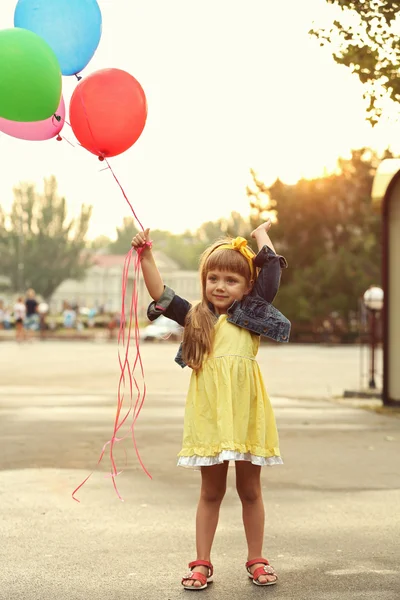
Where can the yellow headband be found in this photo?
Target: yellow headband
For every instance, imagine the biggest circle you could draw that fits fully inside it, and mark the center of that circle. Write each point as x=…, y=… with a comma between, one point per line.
x=240, y=244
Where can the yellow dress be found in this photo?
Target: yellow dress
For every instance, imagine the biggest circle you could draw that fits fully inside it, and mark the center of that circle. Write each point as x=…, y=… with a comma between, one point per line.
x=228, y=414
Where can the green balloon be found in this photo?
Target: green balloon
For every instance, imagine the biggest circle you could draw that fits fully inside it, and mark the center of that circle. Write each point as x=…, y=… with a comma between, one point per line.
x=30, y=76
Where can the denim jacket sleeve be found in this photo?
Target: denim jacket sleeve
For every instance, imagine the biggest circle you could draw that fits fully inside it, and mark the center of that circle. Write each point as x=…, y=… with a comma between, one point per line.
x=269, y=277
x=170, y=305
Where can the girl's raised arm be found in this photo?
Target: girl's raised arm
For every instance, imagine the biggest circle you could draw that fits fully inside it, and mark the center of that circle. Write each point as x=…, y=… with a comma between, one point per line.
x=268, y=280
x=151, y=274
x=261, y=235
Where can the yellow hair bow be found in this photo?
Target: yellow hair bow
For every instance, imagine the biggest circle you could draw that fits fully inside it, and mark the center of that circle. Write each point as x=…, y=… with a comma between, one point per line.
x=240, y=244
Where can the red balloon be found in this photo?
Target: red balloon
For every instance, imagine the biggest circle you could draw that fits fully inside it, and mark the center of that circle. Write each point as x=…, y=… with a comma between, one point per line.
x=108, y=112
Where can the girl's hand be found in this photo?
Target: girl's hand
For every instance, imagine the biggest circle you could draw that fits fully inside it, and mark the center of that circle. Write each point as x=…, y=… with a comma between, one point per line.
x=141, y=238
x=263, y=228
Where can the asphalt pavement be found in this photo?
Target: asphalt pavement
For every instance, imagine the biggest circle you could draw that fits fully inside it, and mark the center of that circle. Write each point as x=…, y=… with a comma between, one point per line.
x=332, y=510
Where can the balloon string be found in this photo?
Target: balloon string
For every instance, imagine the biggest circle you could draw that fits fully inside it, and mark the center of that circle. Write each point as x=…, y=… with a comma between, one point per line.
x=101, y=155
x=125, y=367
x=124, y=194
x=124, y=364
x=133, y=311
x=67, y=140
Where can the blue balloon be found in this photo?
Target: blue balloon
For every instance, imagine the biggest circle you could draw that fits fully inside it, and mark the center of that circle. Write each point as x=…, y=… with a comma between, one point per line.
x=72, y=28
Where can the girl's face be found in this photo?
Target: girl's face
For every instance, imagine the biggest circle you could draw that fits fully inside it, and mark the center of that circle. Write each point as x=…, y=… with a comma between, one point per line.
x=224, y=287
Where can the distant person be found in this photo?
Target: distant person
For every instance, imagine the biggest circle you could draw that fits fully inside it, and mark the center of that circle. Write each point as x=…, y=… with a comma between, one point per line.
x=32, y=317
x=69, y=317
x=19, y=316
x=7, y=317
x=43, y=310
x=112, y=325
x=92, y=317
x=228, y=413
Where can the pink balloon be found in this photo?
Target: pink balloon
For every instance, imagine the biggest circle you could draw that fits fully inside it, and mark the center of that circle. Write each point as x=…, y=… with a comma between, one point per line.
x=37, y=131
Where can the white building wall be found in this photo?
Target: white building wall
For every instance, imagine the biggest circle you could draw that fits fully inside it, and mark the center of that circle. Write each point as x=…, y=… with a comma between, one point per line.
x=102, y=287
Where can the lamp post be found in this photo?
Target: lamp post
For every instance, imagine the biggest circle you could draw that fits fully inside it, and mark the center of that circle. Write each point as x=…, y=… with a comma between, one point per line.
x=373, y=300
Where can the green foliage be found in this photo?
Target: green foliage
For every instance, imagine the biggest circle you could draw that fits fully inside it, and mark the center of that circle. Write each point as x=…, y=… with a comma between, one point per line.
x=125, y=233
x=261, y=204
x=325, y=227
x=39, y=248
x=102, y=242
x=329, y=233
x=186, y=248
x=365, y=38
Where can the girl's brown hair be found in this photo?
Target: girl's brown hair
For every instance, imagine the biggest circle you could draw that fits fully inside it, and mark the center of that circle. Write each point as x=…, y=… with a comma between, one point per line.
x=198, y=336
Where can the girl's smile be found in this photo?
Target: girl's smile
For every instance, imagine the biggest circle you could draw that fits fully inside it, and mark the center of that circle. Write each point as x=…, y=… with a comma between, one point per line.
x=224, y=287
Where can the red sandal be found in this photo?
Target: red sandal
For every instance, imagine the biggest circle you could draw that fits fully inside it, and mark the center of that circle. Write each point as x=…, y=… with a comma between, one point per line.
x=204, y=579
x=265, y=570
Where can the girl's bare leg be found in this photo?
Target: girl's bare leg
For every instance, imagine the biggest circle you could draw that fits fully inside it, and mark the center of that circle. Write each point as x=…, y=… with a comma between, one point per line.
x=248, y=485
x=213, y=487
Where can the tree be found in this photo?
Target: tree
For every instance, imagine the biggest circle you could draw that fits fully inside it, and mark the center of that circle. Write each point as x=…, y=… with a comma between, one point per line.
x=175, y=246
x=191, y=246
x=185, y=248
x=365, y=39
x=39, y=248
x=262, y=206
x=101, y=242
x=125, y=233
x=330, y=235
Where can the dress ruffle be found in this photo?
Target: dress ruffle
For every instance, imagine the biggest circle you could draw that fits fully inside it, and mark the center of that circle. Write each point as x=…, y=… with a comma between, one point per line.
x=195, y=461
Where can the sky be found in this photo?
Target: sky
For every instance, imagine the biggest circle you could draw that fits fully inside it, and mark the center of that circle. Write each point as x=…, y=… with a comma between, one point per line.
x=230, y=85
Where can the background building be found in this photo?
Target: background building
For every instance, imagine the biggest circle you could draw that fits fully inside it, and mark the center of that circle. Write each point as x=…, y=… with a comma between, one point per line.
x=102, y=286
x=386, y=196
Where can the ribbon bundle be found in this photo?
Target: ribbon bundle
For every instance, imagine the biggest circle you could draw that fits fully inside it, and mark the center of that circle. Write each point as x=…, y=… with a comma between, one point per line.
x=127, y=369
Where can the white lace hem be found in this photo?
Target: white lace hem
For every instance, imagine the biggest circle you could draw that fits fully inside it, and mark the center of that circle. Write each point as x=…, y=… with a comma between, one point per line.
x=195, y=462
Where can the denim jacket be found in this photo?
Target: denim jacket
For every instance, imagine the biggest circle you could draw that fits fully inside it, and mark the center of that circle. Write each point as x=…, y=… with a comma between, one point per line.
x=253, y=312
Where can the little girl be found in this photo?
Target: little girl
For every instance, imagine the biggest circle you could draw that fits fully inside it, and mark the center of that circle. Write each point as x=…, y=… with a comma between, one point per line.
x=228, y=414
